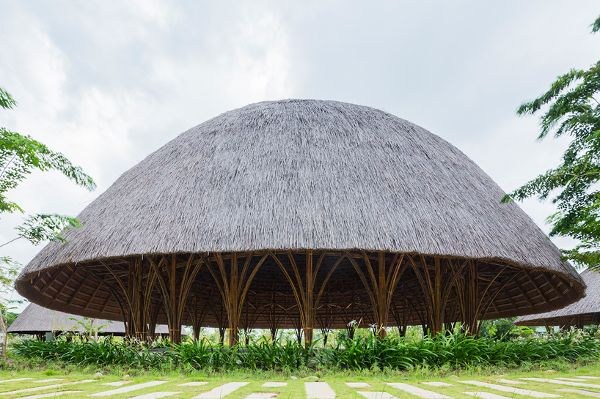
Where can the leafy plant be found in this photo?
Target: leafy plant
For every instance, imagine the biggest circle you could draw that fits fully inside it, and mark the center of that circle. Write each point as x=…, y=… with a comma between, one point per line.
x=20, y=155
x=571, y=108
x=365, y=352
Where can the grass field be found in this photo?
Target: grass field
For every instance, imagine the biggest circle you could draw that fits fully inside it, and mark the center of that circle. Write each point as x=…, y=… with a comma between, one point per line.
x=74, y=384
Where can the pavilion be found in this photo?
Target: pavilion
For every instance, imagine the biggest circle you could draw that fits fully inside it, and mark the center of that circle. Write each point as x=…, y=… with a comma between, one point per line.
x=584, y=312
x=36, y=320
x=302, y=214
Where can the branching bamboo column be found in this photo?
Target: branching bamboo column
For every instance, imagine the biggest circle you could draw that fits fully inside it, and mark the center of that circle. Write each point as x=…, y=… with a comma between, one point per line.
x=274, y=317
x=155, y=310
x=380, y=284
x=175, y=288
x=233, y=284
x=220, y=317
x=248, y=322
x=325, y=320
x=303, y=287
x=197, y=315
x=475, y=293
x=135, y=294
x=436, y=287
x=401, y=317
x=467, y=289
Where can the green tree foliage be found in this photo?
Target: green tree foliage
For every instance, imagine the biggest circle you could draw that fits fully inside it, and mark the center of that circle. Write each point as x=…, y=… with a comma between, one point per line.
x=20, y=155
x=571, y=108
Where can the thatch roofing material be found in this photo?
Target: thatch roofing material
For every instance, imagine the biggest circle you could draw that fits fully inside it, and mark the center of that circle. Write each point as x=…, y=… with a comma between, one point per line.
x=585, y=311
x=35, y=319
x=297, y=174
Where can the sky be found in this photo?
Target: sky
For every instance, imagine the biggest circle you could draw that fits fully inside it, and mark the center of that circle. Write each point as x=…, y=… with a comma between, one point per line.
x=106, y=83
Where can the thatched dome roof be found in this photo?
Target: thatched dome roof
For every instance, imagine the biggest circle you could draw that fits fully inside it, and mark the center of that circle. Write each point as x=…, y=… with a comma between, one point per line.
x=583, y=312
x=301, y=174
x=35, y=319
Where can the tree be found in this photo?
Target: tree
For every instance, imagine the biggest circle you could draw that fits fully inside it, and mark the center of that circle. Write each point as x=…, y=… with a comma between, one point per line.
x=571, y=108
x=20, y=155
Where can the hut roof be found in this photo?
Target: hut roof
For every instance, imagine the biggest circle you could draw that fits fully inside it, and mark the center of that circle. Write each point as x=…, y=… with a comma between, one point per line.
x=300, y=174
x=35, y=319
x=584, y=311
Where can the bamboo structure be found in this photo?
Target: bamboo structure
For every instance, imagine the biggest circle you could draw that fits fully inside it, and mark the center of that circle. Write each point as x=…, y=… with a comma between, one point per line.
x=302, y=214
x=36, y=320
x=584, y=312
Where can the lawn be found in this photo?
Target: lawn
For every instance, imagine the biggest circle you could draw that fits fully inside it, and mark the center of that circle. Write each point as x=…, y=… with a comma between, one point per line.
x=31, y=383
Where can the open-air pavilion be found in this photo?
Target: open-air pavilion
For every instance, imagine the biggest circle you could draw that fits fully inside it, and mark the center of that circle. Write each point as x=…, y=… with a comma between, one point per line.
x=584, y=312
x=37, y=320
x=302, y=214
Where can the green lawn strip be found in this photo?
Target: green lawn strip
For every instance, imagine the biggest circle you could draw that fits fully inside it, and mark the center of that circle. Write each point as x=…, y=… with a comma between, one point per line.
x=295, y=387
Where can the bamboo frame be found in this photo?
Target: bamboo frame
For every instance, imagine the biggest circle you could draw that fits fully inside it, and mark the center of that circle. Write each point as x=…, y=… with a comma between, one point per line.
x=175, y=290
x=303, y=287
x=380, y=284
x=233, y=285
x=434, y=291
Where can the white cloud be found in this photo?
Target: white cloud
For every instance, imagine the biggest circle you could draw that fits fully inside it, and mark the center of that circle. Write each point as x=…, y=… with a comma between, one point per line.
x=107, y=83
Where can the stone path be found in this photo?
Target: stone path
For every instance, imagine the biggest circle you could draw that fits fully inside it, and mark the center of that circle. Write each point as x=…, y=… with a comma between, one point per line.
x=416, y=391
x=116, y=383
x=49, y=395
x=561, y=382
x=358, y=384
x=221, y=391
x=486, y=395
x=517, y=391
x=31, y=388
x=16, y=380
x=42, y=388
x=155, y=395
x=437, y=384
x=129, y=388
x=581, y=392
x=318, y=390
x=193, y=384
x=377, y=395
x=274, y=384
x=510, y=382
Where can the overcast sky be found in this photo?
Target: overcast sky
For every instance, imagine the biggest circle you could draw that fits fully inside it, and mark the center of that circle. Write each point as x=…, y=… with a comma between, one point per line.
x=108, y=82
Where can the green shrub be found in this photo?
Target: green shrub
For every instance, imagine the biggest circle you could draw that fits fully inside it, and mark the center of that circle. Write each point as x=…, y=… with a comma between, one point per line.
x=361, y=353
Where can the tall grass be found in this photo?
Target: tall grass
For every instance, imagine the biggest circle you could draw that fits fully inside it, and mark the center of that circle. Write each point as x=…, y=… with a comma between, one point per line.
x=453, y=350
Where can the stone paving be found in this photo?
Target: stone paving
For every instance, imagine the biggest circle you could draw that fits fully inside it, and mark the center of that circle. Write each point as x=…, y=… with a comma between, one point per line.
x=32, y=388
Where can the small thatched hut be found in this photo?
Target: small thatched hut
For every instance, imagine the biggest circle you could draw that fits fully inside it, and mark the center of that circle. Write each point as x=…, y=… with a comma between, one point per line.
x=586, y=311
x=36, y=320
x=302, y=214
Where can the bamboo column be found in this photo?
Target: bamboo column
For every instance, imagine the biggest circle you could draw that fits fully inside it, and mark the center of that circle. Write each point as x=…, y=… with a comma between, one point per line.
x=220, y=317
x=197, y=314
x=325, y=320
x=380, y=284
x=175, y=288
x=471, y=293
x=153, y=321
x=248, y=322
x=475, y=293
x=233, y=284
x=304, y=287
x=401, y=318
x=436, y=287
x=134, y=297
x=274, y=318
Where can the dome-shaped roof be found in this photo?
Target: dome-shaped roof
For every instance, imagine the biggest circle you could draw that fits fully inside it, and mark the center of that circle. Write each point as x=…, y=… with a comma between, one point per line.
x=35, y=319
x=583, y=312
x=303, y=174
